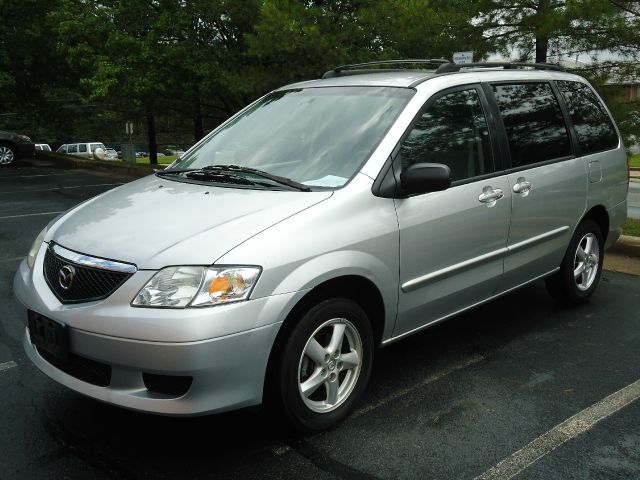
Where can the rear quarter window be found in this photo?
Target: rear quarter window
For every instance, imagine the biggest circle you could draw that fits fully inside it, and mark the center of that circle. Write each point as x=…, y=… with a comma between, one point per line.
x=592, y=123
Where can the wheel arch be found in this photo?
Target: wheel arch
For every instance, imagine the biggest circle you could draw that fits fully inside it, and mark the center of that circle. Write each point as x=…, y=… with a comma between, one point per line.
x=599, y=215
x=353, y=287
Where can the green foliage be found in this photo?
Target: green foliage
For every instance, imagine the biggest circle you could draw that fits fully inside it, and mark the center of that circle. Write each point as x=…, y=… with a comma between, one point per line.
x=537, y=28
x=83, y=67
x=631, y=227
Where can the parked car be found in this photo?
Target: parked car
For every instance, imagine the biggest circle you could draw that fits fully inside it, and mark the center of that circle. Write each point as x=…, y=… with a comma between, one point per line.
x=90, y=150
x=328, y=218
x=112, y=154
x=14, y=146
x=43, y=147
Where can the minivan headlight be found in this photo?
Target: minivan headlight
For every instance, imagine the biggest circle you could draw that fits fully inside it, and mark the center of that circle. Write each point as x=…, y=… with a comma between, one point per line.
x=180, y=287
x=31, y=256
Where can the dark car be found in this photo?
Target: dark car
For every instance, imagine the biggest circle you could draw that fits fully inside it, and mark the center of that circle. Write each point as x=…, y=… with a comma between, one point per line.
x=14, y=146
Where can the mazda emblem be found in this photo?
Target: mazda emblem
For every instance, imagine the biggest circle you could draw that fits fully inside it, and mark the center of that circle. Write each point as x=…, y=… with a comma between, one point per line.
x=66, y=276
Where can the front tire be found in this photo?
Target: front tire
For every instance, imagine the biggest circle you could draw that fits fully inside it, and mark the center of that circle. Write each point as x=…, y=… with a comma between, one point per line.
x=325, y=364
x=8, y=155
x=581, y=267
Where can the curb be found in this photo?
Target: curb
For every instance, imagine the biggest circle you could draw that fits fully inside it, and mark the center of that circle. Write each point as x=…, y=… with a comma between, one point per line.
x=627, y=246
x=57, y=160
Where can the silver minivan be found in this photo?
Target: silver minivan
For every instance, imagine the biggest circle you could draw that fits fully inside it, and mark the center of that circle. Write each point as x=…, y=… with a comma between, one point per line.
x=326, y=219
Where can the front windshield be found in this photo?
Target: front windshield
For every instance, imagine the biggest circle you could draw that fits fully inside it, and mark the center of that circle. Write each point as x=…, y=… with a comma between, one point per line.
x=316, y=136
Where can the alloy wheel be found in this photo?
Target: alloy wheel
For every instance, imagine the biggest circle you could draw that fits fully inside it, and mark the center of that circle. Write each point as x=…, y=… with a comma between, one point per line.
x=6, y=155
x=586, y=262
x=329, y=366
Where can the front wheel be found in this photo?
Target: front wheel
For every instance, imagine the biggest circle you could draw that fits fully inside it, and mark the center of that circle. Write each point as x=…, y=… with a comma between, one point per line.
x=581, y=267
x=8, y=155
x=325, y=364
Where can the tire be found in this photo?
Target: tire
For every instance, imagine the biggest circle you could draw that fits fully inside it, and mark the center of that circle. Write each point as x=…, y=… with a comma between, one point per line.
x=8, y=155
x=100, y=154
x=584, y=255
x=336, y=378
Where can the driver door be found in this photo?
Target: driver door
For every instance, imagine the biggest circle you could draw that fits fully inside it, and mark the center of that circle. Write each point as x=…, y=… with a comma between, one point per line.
x=453, y=242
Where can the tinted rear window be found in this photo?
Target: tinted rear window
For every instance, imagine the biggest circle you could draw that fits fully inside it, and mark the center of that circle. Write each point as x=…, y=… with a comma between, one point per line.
x=533, y=121
x=593, y=126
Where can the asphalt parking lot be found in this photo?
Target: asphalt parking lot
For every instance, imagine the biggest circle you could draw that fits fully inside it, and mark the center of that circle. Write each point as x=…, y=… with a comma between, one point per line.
x=519, y=388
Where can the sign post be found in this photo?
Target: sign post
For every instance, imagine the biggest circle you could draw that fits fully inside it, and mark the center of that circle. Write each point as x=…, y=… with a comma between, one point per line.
x=463, y=57
x=128, y=150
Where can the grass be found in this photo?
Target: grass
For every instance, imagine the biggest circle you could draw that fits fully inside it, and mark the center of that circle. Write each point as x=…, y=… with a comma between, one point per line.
x=634, y=160
x=632, y=227
x=161, y=160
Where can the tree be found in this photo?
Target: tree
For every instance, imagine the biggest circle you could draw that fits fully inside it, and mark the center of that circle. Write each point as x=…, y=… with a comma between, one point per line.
x=31, y=69
x=534, y=27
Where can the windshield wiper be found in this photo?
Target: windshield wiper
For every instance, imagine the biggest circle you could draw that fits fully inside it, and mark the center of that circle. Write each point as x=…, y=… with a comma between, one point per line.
x=176, y=172
x=207, y=175
x=274, y=178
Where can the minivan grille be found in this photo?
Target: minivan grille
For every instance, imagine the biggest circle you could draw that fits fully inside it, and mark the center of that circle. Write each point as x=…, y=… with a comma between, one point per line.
x=88, y=283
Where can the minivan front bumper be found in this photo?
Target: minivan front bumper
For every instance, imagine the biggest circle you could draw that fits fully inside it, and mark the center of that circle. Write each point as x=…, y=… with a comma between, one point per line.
x=227, y=371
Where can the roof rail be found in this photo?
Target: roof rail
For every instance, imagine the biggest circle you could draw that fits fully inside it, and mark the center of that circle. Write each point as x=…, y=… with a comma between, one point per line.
x=456, y=67
x=335, y=72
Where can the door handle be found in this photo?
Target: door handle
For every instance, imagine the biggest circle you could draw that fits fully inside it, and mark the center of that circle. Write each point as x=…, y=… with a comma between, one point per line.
x=490, y=196
x=522, y=187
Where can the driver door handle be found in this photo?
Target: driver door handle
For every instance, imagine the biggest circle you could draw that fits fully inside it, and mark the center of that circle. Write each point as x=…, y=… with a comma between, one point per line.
x=490, y=195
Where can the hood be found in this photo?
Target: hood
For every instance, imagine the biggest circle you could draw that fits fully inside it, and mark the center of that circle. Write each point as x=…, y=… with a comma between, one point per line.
x=154, y=222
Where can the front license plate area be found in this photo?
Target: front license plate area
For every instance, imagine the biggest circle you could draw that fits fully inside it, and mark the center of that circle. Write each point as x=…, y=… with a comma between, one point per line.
x=49, y=335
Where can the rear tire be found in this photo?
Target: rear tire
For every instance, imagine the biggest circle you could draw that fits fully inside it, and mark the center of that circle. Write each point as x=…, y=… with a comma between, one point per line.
x=325, y=365
x=581, y=266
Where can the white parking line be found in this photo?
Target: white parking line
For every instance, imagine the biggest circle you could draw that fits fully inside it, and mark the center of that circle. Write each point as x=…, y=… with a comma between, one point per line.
x=61, y=188
x=7, y=365
x=10, y=177
x=30, y=215
x=12, y=259
x=430, y=379
x=580, y=423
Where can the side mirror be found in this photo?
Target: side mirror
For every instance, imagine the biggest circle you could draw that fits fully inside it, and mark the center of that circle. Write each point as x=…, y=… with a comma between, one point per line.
x=425, y=178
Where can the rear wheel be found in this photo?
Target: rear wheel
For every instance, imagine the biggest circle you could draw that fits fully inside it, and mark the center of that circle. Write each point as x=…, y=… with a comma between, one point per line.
x=8, y=155
x=581, y=267
x=325, y=364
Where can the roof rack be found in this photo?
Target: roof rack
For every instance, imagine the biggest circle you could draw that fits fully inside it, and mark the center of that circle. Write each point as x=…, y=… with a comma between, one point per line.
x=337, y=71
x=456, y=67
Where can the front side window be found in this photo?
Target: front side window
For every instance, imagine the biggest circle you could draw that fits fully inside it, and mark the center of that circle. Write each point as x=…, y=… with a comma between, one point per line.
x=593, y=126
x=533, y=121
x=319, y=137
x=72, y=148
x=452, y=131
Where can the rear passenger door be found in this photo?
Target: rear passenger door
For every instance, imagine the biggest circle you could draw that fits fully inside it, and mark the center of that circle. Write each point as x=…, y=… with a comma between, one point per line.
x=452, y=242
x=548, y=182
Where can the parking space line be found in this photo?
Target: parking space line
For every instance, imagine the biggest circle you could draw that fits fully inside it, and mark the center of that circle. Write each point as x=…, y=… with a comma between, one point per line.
x=61, y=188
x=10, y=177
x=404, y=391
x=30, y=215
x=12, y=259
x=7, y=365
x=574, y=426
